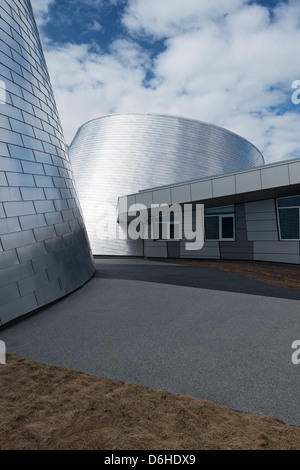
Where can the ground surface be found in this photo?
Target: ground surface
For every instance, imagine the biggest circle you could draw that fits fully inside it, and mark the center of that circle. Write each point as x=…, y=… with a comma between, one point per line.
x=273, y=274
x=44, y=407
x=48, y=407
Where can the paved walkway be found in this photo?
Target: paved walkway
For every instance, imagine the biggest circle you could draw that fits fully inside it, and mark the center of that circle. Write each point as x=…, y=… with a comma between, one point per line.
x=193, y=331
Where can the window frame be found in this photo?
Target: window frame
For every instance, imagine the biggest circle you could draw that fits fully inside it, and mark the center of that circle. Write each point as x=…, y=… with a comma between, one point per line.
x=278, y=220
x=221, y=238
x=158, y=223
x=227, y=216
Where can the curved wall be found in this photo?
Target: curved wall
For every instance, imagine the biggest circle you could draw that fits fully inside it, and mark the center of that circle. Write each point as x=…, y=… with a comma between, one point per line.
x=44, y=249
x=123, y=154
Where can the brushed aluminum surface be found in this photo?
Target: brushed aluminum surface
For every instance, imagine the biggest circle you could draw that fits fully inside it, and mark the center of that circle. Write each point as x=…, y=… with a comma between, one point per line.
x=121, y=154
x=44, y=249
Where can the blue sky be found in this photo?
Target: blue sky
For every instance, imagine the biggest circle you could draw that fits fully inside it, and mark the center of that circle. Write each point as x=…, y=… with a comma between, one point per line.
x=77, y=22
x=228, y=62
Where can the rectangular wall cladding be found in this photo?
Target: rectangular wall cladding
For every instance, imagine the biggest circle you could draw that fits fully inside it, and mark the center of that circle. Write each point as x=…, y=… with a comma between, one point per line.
x=277, y=251
x=261, y=220
x=44, y=249
x=174, y=249
x=262, y=229
x=257, y=238
x=242, y=250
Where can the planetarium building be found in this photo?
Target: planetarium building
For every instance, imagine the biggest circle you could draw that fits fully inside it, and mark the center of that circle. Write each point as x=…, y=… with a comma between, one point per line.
x=44, y=248
x=57, y=210
x=121, y=154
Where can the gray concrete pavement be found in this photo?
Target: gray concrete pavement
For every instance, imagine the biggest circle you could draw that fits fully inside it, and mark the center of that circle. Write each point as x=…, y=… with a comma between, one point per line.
x=232, y=348
x=189, y=276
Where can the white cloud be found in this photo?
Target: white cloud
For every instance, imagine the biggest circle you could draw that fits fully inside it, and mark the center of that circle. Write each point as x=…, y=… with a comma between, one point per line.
x=90, y=84
x=227, y=63
x=40, y=9
x=171, y=17
x=96, y=26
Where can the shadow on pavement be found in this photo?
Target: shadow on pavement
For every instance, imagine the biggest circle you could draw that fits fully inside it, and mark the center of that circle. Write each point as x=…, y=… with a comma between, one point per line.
x=190, y=276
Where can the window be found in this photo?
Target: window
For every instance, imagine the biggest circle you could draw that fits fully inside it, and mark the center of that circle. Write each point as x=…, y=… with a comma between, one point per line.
x=289, y=218
x=220, y=224
x=212, y=227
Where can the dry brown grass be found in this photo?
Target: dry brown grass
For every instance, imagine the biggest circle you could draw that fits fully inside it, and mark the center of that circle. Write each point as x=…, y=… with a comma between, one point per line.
x=44, y=407
x=281, y=276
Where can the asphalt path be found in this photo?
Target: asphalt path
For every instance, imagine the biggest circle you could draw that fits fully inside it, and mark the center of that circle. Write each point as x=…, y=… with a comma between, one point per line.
x=190, y=276
x=187, y=330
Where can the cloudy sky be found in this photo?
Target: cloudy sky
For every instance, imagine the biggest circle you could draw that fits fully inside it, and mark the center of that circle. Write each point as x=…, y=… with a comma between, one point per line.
x=228, y=62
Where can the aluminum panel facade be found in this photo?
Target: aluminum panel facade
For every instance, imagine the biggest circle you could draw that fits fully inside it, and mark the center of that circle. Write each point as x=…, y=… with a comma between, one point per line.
x=44, y=248
x=118, y=155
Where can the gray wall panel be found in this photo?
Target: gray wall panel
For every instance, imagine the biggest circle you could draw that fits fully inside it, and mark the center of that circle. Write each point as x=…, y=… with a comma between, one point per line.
x=155, y=250
x=261, y=220
x=276, y=176
x=294, y=173
x=32, y=151
x=262, y=225
x=240, y=223
x=30, y=252
x=181, y=194
x=209, y=250
x=277, y=257
x=201, y=190
x=223, y=186
x=8, y=259
x=256, y=236
x=267, y=205
x=282, y=247
x=258, y=216
x=173, y=249
x=238, y=250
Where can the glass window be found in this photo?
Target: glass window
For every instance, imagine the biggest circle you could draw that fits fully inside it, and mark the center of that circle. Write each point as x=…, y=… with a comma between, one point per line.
x=289, y=223
x=289, y=217
x=220, y=210
x=293, y=201
x=218, y=225
x=227, y=227
x=212, y=228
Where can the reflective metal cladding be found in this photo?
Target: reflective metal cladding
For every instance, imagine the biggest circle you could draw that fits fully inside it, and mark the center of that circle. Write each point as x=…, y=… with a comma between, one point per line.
x=44, y=249
x=117, y=155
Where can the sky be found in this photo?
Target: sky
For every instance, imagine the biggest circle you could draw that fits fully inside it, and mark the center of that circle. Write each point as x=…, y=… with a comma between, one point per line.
x=232, y=63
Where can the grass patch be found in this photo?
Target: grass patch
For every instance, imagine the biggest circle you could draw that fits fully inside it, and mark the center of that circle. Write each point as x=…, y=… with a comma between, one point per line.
x=45, y=407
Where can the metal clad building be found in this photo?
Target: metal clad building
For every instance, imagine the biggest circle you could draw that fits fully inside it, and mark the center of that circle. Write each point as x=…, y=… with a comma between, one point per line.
x=248, y=215
x=44, y=249
x=119, y=154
